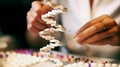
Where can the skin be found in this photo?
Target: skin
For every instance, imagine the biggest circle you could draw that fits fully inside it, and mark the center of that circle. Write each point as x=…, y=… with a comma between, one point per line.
x=34, y=22
x=102, y=30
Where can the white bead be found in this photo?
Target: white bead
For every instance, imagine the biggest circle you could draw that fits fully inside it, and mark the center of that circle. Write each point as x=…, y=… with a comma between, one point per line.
x=114, y=65
x=74, y=65
x=93, y=64
x=108, y=65
x=80, y=64
x=100, y=65
x=86, y=65
x=69, y=65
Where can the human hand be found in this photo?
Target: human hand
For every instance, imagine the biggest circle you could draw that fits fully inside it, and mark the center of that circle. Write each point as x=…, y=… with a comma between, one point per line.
x=34, y=22
x=99, y=31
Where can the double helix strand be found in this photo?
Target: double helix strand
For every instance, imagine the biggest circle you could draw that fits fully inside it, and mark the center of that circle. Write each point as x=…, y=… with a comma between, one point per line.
x=48, y=33
x=55, y=27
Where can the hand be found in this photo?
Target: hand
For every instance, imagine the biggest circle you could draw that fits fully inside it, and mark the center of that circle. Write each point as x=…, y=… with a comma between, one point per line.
x=34, y=22
x=99, y=31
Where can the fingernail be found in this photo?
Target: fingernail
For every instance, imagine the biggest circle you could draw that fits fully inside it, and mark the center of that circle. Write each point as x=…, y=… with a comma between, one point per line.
x=74, y=36
x=76, y=39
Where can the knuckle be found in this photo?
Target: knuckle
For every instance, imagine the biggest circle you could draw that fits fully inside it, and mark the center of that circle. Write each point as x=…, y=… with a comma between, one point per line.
x=112, y=20
x=99, y=26
x=29, y=27
x=35, y=3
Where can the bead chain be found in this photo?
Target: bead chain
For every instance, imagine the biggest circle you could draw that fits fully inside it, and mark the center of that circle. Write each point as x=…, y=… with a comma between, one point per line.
x=55, y=27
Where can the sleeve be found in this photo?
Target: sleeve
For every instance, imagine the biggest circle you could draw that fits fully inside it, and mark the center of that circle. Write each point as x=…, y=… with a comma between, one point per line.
x=115, y=13
x=117, y=19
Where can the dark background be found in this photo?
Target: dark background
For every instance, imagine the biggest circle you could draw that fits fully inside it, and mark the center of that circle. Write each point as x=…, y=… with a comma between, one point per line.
x=13, y=19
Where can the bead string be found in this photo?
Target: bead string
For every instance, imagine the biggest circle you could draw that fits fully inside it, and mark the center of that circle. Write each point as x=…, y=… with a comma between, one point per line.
x=55, y=6
x=47, y=33
x=83, y=64
x=33, y=58
x=55, y=27
x=14, y=59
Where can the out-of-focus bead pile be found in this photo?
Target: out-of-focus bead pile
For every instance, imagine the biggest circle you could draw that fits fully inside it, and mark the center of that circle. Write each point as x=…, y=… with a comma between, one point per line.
x=28, y=58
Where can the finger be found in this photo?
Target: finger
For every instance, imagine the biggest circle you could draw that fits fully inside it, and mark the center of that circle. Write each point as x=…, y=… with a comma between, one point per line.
x=29, y=17
x=31, y=24
x=38, y=25
x=107, y=23
x=101, y=35
x=37, y=12
x=112, y=40
x=45, y=9
x=88, y=32
x=90, y=23
x=32, y=29
x=41, y=9
x=36, y=16
x=40, y=22
x=37, y=5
